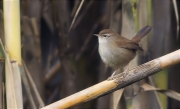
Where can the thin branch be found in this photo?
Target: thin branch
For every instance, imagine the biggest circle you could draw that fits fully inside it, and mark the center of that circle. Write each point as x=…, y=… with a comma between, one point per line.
x=177, y=15
x=53, y=95
x=39, y=99
x=118, y=81
x=27, y=88
x=52, y=71
x=88, y=6
x=76, y=4
x=77, y=12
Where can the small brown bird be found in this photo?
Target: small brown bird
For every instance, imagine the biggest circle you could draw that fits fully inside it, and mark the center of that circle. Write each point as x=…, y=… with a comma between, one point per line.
x=117, y=51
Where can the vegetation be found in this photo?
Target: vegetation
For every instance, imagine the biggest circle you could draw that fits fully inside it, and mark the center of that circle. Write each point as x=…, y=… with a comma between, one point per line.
x=48, y=51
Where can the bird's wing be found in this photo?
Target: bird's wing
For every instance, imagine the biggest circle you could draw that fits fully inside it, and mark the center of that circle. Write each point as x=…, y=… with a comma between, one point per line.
x=127, y=44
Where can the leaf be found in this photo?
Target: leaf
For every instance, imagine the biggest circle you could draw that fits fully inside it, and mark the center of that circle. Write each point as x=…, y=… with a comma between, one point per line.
x=169, y=93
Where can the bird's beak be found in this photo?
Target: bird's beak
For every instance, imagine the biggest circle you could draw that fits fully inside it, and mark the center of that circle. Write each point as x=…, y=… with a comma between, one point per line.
x=96, y=34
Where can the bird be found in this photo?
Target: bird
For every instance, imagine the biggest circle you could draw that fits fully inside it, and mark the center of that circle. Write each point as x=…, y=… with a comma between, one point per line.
x=117, y=51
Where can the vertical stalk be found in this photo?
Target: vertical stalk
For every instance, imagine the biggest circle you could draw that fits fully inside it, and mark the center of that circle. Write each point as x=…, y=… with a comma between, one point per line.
x=12, y=29
x=13, y=47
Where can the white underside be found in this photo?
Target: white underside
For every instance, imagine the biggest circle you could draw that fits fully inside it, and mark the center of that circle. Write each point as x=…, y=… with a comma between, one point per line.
x=115, y=57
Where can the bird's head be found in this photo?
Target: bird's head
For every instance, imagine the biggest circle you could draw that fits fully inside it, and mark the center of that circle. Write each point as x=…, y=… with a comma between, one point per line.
x=106, y=35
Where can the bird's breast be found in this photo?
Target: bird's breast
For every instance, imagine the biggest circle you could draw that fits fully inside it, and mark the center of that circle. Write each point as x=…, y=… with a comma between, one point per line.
x=115, y=56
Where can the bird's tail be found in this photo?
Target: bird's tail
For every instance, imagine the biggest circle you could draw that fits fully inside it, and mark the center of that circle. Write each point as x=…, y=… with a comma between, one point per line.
x=143, y=32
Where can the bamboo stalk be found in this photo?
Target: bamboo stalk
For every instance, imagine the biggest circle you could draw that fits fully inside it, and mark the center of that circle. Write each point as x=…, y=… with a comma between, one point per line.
x=11, y=101
x=12, y=29
x=118, y=81
x=11, y=10
x=13, y=83
x=17, y=84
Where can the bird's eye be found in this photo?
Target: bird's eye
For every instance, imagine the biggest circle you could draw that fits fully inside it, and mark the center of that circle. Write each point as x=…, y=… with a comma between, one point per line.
x=104, y=35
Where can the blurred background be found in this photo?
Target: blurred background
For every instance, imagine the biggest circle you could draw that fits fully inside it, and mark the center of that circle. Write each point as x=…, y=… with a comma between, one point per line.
x=62, y=56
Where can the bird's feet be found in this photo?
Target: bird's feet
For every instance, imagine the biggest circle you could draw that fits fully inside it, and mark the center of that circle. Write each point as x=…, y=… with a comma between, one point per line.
x=126, y=72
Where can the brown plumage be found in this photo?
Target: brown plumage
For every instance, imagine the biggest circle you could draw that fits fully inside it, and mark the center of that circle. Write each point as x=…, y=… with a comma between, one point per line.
x=117, y=51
